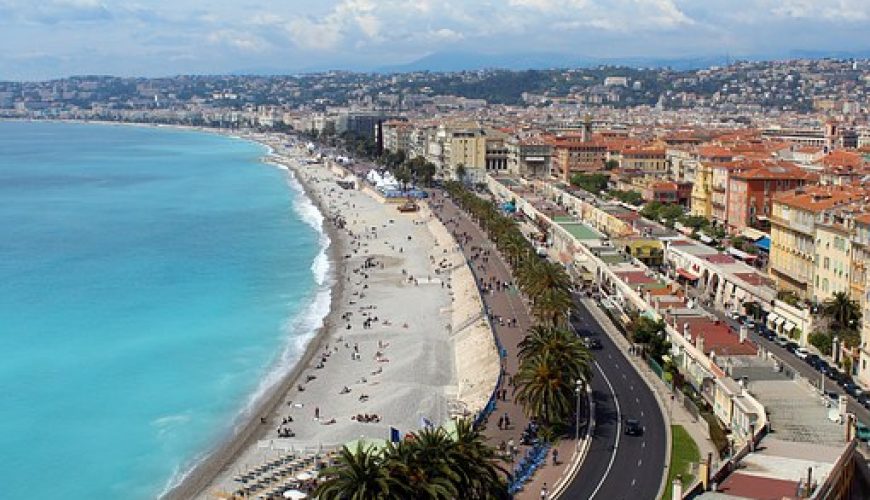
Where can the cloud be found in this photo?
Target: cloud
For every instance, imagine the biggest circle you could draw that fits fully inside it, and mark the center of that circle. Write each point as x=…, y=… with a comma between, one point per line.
x=243, y=42
x=837, y=10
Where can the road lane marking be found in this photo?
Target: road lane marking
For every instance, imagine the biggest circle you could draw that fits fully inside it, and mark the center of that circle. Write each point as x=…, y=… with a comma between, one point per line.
x=637, y=400
x=640, y=462
x=643, y=444
x=633, y=481
x=618, y=433
x=631, y=388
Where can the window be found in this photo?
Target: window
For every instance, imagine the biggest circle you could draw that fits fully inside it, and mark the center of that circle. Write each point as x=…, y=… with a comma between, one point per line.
x=827, y=263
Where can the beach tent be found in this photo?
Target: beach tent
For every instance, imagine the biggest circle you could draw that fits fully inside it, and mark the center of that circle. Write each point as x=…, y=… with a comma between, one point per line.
x=294, y=495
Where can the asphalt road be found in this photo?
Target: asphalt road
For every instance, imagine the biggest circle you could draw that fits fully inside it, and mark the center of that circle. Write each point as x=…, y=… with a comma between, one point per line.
x=619, y=466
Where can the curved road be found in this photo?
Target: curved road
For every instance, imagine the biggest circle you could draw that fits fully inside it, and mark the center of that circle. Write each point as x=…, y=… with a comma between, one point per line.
x=619, y=466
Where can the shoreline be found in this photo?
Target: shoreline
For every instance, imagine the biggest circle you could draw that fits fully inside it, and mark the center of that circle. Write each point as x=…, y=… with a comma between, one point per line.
x=248, y=426
x=460, y=366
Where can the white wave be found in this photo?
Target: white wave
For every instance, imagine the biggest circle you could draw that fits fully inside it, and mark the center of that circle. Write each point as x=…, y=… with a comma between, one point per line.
x=299, y=329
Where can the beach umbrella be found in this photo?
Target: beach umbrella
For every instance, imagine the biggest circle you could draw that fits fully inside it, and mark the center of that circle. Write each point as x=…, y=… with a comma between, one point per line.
x=304, y=476
x=294, y=494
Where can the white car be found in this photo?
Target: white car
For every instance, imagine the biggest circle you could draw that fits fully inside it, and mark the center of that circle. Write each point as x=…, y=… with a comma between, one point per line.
x=801, y=353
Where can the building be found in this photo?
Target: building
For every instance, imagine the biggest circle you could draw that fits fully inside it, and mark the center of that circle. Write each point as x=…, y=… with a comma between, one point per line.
x=529, y=157
x=794, y=216
x=702, y=192
x=572, y=154
x=751, y=190
x=861, y=287
x=496, y=156
x=458, y=145
x=397, y=136
x=651, y=162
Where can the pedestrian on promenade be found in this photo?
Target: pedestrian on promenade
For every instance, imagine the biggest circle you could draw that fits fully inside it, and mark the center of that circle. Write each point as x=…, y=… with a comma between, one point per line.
x=555, y=456
x=544, y=492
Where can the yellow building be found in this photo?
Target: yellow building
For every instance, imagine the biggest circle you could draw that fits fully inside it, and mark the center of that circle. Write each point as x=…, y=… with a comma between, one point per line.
x=460, y=144
x=702, y=192
x=794, y=217
x=832, y=260
x=861, y=288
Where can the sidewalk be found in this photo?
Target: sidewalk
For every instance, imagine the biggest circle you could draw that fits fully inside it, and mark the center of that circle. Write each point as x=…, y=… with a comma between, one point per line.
x=675, y=412
x=508, y=304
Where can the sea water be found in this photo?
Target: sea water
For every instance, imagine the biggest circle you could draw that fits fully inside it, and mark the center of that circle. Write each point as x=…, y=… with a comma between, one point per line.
x=153, y=282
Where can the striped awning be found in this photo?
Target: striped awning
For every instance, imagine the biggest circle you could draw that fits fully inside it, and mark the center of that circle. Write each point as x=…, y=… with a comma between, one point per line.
x=771, y=318
x=789, y=326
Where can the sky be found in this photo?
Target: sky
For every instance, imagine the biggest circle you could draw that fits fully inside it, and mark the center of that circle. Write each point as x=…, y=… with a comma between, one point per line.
x=42, y=39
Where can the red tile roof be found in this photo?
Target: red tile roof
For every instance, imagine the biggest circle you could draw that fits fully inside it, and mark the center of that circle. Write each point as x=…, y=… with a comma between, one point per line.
x=635, y=278
x=717, y=336
x=720, y=258
x=759, y=488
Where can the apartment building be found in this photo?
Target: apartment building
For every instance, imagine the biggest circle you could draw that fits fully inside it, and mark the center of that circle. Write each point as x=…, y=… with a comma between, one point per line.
x=861, y=288
x=651, y=162
x=794, y=217
x=529, y=157
x=572, y=154
x=397, y=135
x=751, y=190
x=460, y=144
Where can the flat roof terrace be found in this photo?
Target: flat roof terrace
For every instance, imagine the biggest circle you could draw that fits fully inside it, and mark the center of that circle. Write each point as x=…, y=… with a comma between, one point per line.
x=581, y=231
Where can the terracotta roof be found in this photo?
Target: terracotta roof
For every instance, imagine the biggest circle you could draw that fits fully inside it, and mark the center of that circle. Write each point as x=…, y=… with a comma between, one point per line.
x=843, y=159
x=714, y=152
x=776, y=171
x=819, y=198
x=740, y=485
x=720, y=258
x=717, y=336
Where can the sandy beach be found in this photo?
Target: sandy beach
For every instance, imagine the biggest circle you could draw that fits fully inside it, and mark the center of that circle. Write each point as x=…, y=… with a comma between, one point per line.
x=405, y=342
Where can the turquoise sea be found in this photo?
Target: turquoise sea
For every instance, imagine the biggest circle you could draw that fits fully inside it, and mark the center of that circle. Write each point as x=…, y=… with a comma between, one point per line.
x=150, y=281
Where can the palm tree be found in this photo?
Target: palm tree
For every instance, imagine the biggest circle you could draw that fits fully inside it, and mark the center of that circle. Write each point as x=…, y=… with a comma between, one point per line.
x=477, y=463
x=844, y=312
x=461, y=171
x=551, y=306
x=423, y=464
x=543, y=390
x=357, y=475
x=565, y=348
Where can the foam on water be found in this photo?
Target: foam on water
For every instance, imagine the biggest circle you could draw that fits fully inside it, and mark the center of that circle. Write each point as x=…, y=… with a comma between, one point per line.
x=186, y=280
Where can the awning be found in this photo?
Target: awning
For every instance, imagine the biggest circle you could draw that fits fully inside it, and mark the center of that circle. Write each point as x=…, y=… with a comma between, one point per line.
x=779, y=321
x=752, y=234
x=705, y=238
x=740, y=254
x=771, y=318
x=686, y=274
x=763, y=244
x=789, y=326
x=740, y=294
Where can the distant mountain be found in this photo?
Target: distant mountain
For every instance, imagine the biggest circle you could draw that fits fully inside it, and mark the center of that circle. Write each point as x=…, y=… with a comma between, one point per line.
x=463, y=61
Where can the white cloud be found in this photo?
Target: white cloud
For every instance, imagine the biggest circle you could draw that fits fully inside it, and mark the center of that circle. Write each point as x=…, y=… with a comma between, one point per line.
x=244, y=42
x=832, y=10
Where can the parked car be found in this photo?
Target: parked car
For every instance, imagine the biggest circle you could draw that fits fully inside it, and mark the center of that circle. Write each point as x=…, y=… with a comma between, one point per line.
x=812, y=360
x=802, y=353
x=822, y=366
x=791, y=347
x=781, y=341
x=633, y=427
x=749, y=324
x=863, y=400
x=852, y=389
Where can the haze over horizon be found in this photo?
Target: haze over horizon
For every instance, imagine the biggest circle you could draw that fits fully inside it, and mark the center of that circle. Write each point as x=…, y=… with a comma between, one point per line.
x=58, y=38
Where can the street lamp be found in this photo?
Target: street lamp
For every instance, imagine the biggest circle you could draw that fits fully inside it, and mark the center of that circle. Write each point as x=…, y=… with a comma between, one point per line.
x=578, y=389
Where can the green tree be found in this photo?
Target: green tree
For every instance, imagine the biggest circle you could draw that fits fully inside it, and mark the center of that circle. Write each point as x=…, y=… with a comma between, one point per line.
x=822, y=341
x=461, y=172
x=844, y=313
x=357, y=474
x=566, y=349
x=543, y=390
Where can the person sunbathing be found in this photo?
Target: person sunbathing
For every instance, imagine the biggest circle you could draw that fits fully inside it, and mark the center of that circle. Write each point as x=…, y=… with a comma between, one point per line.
x=344, y=390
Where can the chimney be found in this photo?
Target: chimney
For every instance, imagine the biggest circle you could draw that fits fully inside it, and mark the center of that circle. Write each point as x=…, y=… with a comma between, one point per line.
x=699, y=342
x=686, y=332
x=743, y=333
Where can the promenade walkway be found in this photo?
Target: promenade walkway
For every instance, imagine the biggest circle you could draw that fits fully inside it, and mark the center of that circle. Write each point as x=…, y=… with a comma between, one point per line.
x=507, y=304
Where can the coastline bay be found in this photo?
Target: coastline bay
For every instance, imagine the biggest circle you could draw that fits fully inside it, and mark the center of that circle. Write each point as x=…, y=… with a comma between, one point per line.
x=151, y=278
